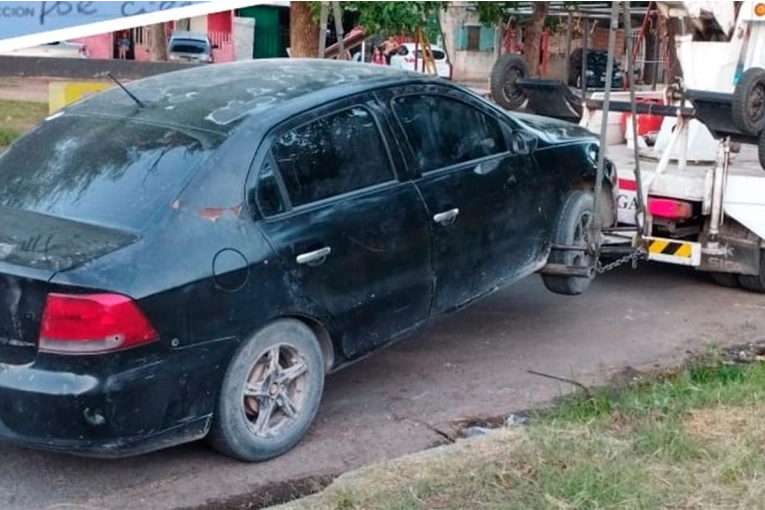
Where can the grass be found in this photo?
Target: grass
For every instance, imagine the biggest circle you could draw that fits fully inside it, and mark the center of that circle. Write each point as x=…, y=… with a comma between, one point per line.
x=16, y=117
x=691, y=439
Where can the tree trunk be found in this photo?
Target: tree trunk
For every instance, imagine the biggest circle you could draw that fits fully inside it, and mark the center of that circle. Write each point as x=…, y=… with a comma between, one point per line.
x=304, y=31
x=671, y=28
x=158, y=43
x=533, y=35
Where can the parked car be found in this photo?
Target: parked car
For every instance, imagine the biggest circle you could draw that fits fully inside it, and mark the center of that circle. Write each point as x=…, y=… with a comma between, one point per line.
x=61, y=49
x=191, y=47
x=407, y=53
x=192, y=263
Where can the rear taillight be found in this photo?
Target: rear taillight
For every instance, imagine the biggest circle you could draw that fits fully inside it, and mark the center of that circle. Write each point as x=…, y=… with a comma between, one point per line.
x=670, y=209
x=92, y=324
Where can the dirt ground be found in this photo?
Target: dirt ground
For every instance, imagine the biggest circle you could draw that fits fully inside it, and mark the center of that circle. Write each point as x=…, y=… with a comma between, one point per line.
x=24, y=89
x=469, y=365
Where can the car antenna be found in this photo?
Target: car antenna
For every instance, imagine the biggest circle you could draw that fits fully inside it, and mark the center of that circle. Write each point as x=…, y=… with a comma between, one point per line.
x=137, y=101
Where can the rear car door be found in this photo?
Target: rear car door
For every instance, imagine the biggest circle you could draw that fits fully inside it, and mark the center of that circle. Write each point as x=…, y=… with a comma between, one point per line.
x=353, y=235
x=472, y=180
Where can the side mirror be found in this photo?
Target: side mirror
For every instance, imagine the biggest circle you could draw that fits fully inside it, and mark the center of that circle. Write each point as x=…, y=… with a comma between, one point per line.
x=523, y=143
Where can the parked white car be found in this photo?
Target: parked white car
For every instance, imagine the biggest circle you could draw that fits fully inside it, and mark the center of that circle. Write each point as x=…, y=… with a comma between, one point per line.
x=60, y=49
x=404, y=58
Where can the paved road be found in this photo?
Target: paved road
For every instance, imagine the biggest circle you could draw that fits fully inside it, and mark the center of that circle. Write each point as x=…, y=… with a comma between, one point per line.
x=473, y=363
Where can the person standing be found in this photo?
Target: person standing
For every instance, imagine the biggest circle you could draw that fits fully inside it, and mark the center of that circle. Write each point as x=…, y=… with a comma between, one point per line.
x=389, y=48
x=378, y=57
x=123, y=45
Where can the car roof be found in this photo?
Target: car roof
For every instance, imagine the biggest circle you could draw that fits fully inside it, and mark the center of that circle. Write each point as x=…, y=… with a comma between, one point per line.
x=219, y=97
x=189, y=35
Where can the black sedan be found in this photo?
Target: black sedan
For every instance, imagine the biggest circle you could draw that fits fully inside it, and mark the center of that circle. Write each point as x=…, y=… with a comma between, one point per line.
x=189, y=256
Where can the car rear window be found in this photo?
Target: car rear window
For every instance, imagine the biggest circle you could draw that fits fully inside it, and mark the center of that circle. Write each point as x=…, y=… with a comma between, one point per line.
x=188, y=46
x=104, y=172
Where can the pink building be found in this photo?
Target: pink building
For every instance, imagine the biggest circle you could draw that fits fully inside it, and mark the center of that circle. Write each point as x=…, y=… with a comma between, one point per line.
x=218, y=26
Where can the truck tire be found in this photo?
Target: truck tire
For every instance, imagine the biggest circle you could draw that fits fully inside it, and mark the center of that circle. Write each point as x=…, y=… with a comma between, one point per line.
x=761, y=149
x=748, y=102
x=755, y=283
x=729, y=280
x=571, y=230
x=506, y=70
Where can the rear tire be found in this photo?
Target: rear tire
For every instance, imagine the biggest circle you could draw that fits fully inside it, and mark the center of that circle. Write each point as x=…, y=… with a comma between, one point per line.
x=270, y=393
x=729, y=280
x=571, y=229
x=761, y=149
x=505, y=72
x=755, y=283
x=748, y=102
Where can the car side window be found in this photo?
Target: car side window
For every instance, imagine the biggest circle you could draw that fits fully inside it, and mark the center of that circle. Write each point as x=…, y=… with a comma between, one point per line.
x=336, y=154
x=443, y=131
x=269, y=197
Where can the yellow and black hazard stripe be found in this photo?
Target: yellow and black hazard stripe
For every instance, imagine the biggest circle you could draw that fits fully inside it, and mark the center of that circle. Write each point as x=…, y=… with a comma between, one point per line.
x=671, y=248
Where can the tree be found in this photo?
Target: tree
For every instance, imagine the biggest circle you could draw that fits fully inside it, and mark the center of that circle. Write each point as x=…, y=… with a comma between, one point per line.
x=304, y=30
x=158, y=42
x=393, y=18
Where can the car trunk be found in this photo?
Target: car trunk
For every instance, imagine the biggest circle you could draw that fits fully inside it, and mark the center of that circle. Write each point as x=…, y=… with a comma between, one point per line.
x=33, y=248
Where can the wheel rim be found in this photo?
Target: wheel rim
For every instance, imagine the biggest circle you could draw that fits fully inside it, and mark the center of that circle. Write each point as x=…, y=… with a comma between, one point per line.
x=582, y=239
x=274, y=393
x=509, y=88
x=756, y=103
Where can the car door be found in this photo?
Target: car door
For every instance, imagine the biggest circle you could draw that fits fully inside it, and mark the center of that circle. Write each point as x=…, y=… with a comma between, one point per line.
x=473, y=181
x=354, y=235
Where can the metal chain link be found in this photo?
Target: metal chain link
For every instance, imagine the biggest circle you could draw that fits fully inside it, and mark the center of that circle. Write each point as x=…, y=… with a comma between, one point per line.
x=633, y=257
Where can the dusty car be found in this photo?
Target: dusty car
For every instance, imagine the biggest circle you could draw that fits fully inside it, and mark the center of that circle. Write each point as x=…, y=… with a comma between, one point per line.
x=191, y=261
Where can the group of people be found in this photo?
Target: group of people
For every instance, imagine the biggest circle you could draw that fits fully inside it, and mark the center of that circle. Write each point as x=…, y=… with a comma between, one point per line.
x=382, y=53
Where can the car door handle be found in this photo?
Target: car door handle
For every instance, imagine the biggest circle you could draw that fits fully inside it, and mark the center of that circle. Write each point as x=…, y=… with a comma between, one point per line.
x=313, y=256
x=446, y=216
x=486, y=167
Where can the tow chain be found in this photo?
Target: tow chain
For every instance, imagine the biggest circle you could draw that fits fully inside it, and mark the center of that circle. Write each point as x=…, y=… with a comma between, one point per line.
x=639, y=254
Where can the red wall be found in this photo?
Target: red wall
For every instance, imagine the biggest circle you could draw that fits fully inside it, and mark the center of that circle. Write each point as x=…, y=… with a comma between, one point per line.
x=219, y=22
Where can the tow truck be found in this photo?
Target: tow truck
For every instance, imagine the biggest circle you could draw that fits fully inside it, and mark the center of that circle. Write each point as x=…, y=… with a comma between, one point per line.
x=709, y=215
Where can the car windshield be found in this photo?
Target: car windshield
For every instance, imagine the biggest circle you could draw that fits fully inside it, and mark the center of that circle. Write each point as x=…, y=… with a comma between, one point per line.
x=188, y=46
x=104, y=172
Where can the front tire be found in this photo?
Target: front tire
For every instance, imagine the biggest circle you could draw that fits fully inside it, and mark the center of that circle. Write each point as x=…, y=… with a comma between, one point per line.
x=572, y=229
x=270, y=393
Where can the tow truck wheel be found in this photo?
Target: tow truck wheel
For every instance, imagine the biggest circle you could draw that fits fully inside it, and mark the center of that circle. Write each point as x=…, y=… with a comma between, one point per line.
x=755, y=283
x=724, y=279
x=505, y=72
x=572, y=229
x=761, y=149
x=748, y=102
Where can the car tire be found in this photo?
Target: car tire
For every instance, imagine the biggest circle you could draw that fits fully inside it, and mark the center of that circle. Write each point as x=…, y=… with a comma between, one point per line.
x=506, y=70
x=571, y=230
x=761, y=149
x=729, y=280
x=748, y=102
x=755, y=283
x=291, y=385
